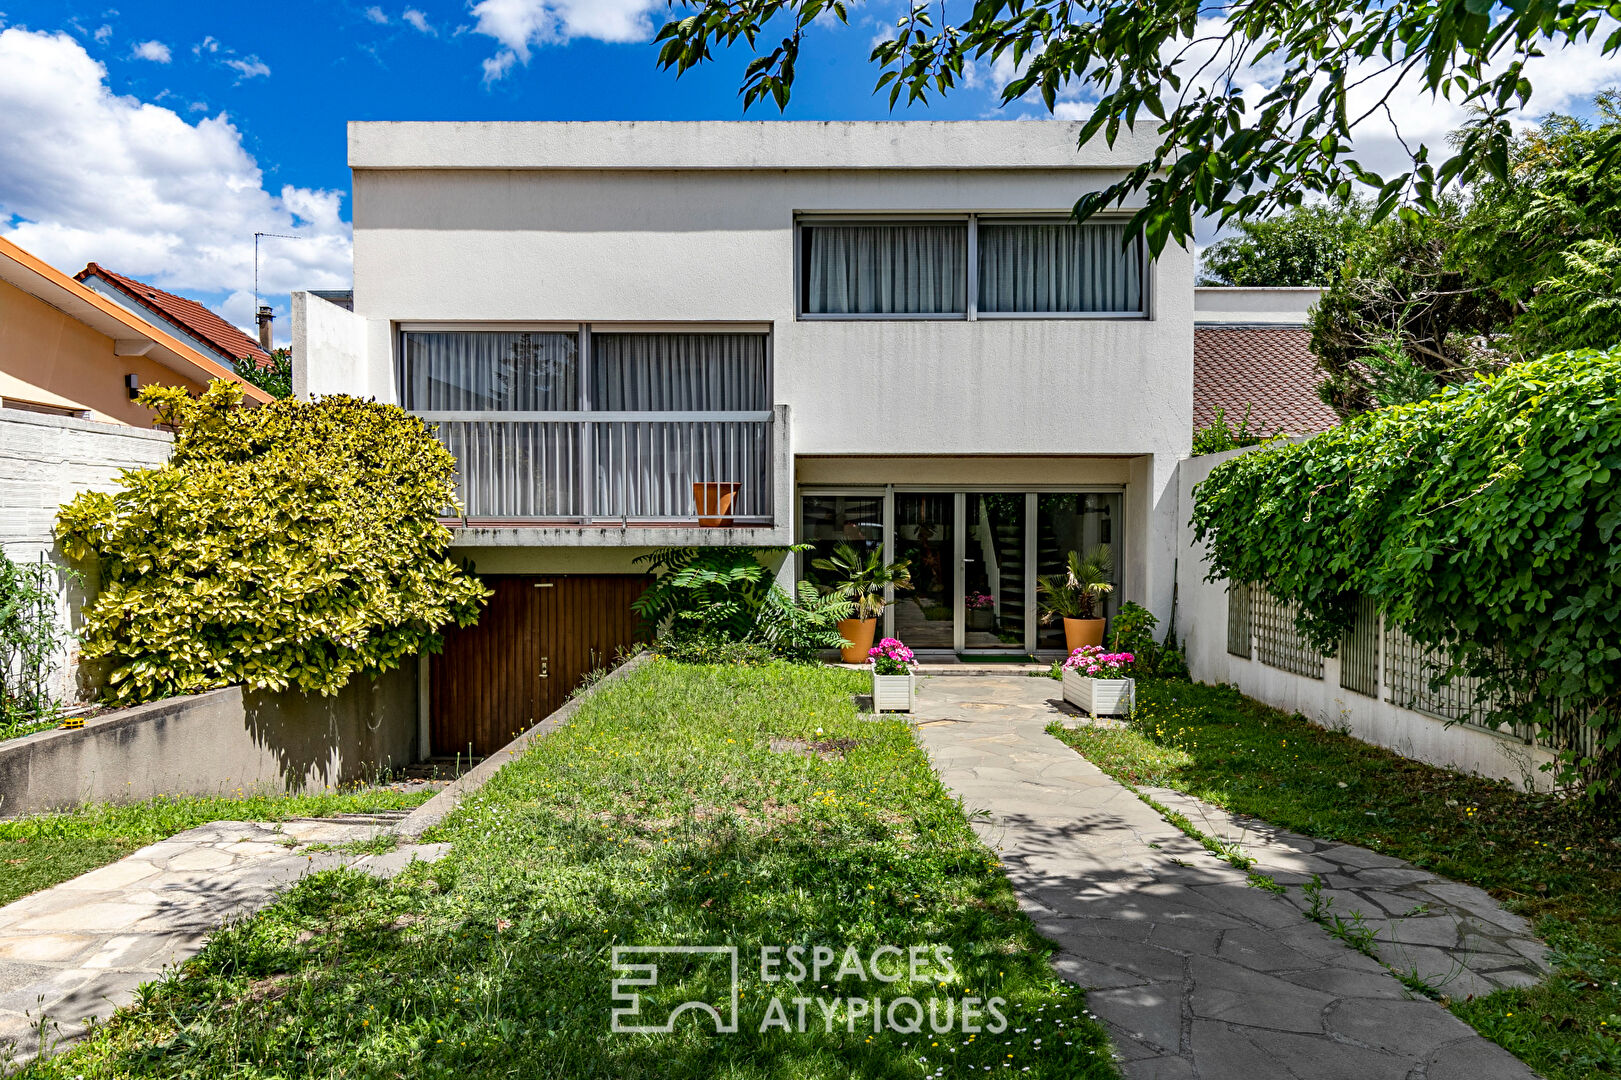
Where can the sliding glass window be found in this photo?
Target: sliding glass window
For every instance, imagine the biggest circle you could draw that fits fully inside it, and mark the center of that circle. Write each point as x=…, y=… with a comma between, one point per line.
x=918, y=269
x=1046, y=267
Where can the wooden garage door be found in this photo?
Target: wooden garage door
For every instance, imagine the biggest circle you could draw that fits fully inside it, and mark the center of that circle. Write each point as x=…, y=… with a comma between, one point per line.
x=534, y=642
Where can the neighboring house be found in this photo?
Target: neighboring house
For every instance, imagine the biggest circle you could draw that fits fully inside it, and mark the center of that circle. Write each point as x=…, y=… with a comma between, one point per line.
x=181, y=317
x=68, y=351
x=883, y=332
x=1251, y=349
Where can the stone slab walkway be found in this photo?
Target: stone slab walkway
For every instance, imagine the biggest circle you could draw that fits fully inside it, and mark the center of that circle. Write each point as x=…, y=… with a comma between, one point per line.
x=1196, y=973
x=77, y=952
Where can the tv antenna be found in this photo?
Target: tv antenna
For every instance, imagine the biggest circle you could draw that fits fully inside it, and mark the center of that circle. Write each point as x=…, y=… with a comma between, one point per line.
x=256, y=236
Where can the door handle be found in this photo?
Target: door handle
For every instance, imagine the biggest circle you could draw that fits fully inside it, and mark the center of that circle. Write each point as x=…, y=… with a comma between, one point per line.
x=545, y=664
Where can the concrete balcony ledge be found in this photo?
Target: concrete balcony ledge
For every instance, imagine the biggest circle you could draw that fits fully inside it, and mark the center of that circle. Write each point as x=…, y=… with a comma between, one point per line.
x=673, y=534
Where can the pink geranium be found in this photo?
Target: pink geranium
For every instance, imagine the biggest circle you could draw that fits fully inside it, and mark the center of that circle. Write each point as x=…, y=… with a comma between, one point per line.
x=1094, y=663
x=890, y=657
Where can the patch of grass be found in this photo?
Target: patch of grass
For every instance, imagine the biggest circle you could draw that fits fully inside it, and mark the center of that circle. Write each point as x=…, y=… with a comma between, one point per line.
x=661, y=814
x=1544, y=857
x=46, y=849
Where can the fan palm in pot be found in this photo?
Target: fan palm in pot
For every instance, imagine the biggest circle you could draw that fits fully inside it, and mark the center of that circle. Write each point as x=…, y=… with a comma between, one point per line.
x=1076, y=596
x=864, y=579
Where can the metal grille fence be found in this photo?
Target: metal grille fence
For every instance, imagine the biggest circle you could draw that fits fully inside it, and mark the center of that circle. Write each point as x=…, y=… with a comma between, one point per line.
x=1359, y=651
x=1277, y=643
x=1411, y=674
x=1240, y=625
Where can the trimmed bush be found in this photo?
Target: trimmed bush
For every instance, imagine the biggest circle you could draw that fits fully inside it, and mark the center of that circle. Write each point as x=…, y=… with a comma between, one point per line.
x=1485, y=521
x=292, y=545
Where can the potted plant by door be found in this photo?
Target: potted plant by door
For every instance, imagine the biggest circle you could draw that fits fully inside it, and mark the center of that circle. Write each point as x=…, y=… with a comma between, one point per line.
x=894, y=687
x=1076, y=596
x=863, y=579
x=1100, y=682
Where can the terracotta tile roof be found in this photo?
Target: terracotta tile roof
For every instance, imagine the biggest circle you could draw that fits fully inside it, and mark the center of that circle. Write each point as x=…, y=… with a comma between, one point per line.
x=192, y=317
x=1268, y=368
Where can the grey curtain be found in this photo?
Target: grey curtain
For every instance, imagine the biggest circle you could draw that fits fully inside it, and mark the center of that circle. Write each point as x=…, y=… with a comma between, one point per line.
x=490, y=370
x=679, y=373
x=886, y=269
x=1058, y=267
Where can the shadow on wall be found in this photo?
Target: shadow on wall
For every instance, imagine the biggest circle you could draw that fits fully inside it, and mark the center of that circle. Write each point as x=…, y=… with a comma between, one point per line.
x=319, y=742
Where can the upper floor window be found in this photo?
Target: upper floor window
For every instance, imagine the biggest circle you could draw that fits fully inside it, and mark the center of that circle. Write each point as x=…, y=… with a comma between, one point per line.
x=971, y=267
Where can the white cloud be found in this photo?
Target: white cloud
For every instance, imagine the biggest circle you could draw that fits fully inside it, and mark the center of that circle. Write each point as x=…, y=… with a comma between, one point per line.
x=209, y=44
x=103, y=34
x=520, y=24
x=247, y=67
x=88, y=175
x=419, y=21
x=156, y=51
x=377, y=15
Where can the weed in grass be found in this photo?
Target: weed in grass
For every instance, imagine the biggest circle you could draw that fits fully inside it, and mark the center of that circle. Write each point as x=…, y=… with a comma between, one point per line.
x=1545, y=857
x=1354, y=930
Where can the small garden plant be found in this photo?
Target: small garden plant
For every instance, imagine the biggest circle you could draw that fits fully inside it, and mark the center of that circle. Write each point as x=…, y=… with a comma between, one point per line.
x=29, y=637
x=890, y=657
x=1094, y=663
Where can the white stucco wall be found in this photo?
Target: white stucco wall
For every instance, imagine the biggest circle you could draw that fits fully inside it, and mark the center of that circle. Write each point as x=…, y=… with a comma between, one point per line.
x=679, y=223
x=1261, y=307
x=1201, y=623
x=44, y=462
x=336, y=339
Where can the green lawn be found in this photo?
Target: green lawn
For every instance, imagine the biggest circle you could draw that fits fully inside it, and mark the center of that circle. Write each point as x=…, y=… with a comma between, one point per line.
x=46, y=849
x=661, y=815
x=1544, y=857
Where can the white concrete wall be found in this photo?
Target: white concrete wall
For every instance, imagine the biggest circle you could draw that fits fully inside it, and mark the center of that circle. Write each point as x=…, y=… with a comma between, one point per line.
x=44, y=462
x=1262, y=307
x=679, y=223
x=1201, y=623
x=336, y=338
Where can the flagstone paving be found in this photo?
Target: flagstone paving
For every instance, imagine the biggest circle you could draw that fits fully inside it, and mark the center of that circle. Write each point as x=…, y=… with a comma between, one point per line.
x=1197, y=973
x=77, y=952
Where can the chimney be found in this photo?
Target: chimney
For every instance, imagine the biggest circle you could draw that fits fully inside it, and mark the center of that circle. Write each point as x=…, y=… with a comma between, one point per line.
x=265, y=316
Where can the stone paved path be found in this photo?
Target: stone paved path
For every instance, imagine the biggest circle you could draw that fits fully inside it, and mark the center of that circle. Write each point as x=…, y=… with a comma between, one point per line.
x=1196, y=973
x=78, y=951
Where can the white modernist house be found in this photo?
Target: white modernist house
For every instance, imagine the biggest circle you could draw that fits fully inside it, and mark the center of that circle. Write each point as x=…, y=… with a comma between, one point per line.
x=888, y=333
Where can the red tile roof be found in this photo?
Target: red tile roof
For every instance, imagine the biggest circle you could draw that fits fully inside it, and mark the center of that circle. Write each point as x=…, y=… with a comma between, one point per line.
x=192, y=317
x=1268, y=368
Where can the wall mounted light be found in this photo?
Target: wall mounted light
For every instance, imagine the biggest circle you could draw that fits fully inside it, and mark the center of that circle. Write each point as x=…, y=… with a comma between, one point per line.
x=132, y=384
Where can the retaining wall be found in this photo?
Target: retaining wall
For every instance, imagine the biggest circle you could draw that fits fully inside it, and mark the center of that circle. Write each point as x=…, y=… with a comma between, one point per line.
x=223, y=742
x=1201, y=623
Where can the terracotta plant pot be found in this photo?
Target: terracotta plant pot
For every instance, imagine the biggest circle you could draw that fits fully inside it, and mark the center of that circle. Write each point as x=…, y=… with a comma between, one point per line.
x=859, y=632
x=1078, y=632
x=714, y=501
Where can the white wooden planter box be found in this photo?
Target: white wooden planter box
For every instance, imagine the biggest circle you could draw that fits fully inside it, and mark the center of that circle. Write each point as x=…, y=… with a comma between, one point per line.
x=894, y=693
x=1100, y=697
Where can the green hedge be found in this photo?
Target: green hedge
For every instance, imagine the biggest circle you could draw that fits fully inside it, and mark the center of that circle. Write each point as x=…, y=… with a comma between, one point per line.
x=1486, y=521
x=291, y=545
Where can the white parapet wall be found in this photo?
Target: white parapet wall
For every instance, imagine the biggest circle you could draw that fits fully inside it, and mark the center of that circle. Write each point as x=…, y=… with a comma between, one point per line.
x=44, y=462
x=329, y=349
x=1202, y=623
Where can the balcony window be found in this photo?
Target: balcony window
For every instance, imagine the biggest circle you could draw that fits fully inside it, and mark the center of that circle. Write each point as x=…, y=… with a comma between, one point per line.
x=1058, y=267
x=886, y=269
x=569, y=425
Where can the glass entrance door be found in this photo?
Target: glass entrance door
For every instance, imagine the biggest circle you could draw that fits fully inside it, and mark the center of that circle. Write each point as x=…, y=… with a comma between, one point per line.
x=994, y=598
x=925, y=535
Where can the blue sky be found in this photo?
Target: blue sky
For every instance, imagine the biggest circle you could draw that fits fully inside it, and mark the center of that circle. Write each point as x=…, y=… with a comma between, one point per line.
x=157, y=137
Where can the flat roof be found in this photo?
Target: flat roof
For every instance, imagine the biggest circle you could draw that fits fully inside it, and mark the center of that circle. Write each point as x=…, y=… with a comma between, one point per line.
x=727, y=144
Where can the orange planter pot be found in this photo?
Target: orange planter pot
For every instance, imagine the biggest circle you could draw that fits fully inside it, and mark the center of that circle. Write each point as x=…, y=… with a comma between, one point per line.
x=859, y=632
x=714, y=501
x=1078, y=632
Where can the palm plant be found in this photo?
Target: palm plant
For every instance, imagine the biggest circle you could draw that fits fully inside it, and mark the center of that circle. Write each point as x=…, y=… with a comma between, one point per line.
x=863, y=578
x=1077, y=593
